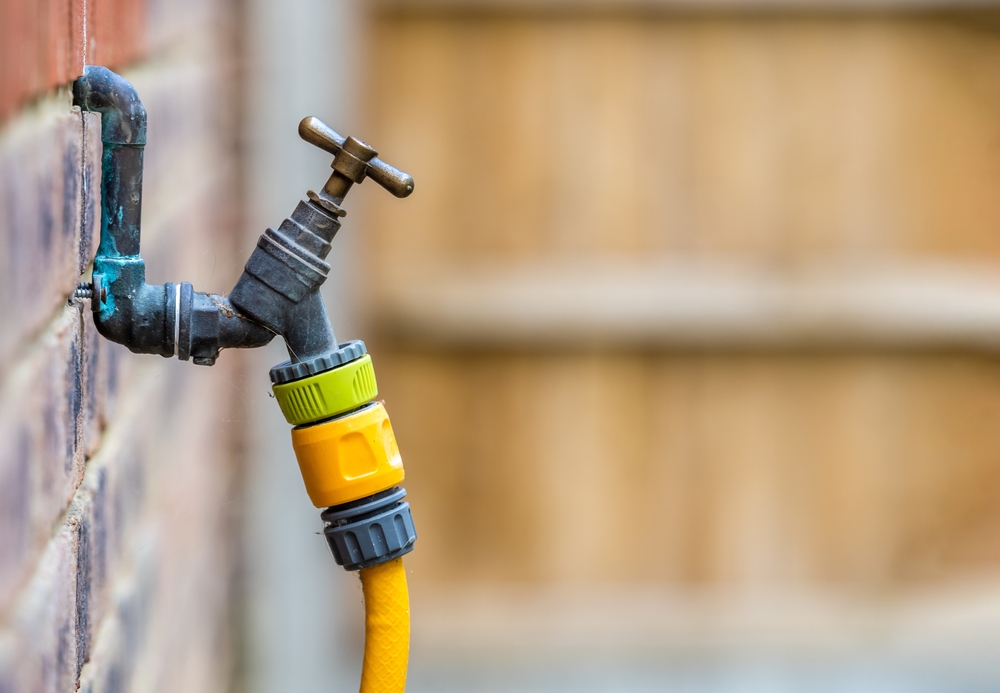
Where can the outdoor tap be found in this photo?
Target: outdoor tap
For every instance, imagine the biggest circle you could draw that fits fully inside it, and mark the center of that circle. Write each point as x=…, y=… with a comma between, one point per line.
x=343, y=440
x=278, y=293
x=280, y=285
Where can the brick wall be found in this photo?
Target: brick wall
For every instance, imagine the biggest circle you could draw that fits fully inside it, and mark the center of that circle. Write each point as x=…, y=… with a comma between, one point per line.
x=118, y=491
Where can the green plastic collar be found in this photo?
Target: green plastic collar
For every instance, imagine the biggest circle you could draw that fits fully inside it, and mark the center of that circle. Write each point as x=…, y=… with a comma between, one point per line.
x=328, y=393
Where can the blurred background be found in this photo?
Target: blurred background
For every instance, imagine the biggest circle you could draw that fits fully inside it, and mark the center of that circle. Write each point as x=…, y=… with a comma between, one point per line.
x=688, y=333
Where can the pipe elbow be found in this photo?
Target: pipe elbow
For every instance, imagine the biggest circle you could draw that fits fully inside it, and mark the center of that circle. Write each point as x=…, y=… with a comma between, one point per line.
x=131, y=312
x=165, y=319
x=123, y=118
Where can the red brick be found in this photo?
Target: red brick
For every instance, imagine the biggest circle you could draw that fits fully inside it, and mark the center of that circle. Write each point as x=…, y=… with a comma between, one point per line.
x=39, y=220
x=14, y=37
x=116, y=31
x=105, y=510
x=36, y=49
x=55, y=45
x=39, y=640
x=149, y=518
x=119, y=637
x=40, y=459
x=95, y=386
x=146, y=481
x=77, y=47
x=120, y=641
x=46, y=43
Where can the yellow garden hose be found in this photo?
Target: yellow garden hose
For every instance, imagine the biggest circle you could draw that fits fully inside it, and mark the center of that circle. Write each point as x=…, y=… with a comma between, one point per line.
x=387, y=628
x=351, y=465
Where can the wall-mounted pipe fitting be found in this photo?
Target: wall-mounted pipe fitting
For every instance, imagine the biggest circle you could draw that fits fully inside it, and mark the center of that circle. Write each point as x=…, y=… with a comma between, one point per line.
x=166, y=319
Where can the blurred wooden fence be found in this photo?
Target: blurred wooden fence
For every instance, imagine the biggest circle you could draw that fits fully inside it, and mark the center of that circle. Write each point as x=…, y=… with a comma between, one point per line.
x=691, y=296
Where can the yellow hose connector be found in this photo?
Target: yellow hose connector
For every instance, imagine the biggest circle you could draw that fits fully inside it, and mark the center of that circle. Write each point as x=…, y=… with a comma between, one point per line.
x=387, y=628
x=348, y=458
x=351, y=466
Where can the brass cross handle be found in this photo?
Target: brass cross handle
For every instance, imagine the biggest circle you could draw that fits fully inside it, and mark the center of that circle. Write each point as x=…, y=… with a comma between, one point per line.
x=354, y=159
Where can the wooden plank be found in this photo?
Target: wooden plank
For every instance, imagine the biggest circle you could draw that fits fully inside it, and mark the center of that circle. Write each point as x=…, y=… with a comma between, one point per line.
x=775, y=141
x=671, y=305
x=638, y=621
x=607, y=467
x=667, y=7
